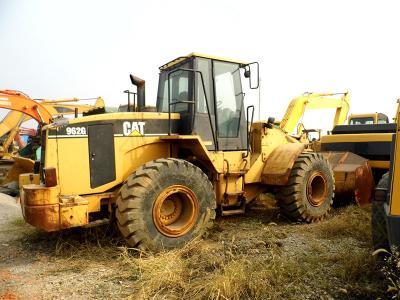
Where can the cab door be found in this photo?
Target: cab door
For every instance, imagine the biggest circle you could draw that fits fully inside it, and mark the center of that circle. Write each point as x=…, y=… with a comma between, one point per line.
x=231, y=121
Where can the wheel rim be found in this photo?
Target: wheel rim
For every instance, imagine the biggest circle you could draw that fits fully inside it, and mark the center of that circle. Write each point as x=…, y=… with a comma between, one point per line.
x=317, y=189
x=175, y=211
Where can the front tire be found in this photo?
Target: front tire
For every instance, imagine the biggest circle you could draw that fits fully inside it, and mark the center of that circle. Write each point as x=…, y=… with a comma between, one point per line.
x=165, y=204
x=310, y=189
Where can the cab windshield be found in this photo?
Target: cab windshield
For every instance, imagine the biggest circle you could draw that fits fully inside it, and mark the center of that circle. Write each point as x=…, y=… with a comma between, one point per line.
x=361, y=121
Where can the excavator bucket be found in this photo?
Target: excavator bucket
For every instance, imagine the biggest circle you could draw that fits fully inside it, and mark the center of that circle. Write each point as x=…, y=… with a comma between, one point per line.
x=353, y=177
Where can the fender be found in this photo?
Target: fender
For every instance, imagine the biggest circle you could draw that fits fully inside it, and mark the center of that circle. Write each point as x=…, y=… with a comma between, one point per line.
x=280, y=163
x=214, y=161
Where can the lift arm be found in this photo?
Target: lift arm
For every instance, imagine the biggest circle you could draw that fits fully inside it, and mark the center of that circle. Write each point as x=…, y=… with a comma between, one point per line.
x=298, y=106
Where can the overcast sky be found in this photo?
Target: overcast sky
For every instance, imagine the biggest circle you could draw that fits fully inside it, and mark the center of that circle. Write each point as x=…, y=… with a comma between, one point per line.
x=58, y=49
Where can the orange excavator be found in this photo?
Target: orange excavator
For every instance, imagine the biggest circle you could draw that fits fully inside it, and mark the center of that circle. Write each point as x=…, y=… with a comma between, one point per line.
x=15, y=100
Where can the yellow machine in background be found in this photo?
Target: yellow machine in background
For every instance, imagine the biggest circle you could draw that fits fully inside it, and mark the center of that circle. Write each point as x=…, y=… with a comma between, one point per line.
x=60, y=107
x=353, y=175
x=311, y=101
x=371, y=118
x=367, y=135
x=165, y=174
x=365, y=140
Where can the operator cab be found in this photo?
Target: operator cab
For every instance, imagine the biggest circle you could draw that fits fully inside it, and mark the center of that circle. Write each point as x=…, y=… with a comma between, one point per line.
x=207, y=93
x=368, y=119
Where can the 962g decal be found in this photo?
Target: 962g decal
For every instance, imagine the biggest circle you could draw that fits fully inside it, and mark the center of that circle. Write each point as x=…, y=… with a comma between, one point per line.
x=76, y=131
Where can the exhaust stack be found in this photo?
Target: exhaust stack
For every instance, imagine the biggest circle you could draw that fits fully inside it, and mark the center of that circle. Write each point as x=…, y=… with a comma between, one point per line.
x=140, y=84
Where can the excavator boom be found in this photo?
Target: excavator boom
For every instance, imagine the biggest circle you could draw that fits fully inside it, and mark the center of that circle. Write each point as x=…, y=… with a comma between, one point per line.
x=298, y=106
x=64, y=106
x=18, y=101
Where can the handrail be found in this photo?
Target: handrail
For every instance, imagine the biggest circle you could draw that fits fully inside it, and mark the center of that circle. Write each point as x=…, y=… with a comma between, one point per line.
x=129, y=100
x=248, y=130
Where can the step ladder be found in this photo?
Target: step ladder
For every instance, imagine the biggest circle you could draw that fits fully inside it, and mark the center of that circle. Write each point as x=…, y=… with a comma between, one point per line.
x=236, y=210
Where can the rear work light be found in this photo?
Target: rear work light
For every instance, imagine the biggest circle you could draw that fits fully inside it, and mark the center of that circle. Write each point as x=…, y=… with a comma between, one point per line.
x=50, y=176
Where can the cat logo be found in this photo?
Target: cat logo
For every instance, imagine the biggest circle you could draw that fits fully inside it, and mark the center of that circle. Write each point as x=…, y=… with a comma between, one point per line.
x=133, y=128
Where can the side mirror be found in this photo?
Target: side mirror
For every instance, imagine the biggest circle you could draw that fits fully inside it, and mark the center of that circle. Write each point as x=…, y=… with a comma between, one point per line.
x=252, y=72
x=270, y=122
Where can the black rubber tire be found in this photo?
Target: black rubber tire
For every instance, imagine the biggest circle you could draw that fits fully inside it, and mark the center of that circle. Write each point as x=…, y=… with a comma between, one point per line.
x=292, y=198
x=378, y=221
x=134, y=212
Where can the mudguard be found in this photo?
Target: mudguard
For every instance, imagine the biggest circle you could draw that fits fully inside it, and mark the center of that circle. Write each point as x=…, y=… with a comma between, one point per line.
x=280, y=163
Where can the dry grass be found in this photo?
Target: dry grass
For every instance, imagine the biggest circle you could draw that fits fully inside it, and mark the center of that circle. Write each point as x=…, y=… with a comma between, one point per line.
x=255, y=256
x=351, y=221
x=194, y=273
x=201, y=270
x=227, y=266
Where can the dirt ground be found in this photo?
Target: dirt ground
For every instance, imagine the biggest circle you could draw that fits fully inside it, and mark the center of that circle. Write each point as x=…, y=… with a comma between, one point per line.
x=258, y=255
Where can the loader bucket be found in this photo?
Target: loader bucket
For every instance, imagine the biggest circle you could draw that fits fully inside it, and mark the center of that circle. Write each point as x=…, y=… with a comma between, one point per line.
x=353, y=177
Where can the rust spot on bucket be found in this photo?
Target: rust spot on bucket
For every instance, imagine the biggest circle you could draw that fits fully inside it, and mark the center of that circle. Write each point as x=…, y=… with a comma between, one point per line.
x=353, y=176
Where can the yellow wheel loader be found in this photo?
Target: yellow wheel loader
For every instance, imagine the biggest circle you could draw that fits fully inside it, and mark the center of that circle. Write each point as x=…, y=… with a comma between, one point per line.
x=165, y=174
x=363, y=145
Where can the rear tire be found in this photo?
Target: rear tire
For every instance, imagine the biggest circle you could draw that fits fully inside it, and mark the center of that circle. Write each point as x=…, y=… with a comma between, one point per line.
x=165, y=204
x=380, y=238
x=310, y=189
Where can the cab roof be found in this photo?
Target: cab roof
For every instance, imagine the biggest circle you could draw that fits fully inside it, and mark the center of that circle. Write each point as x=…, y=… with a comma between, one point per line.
x=369, y=115
x=195, y=54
